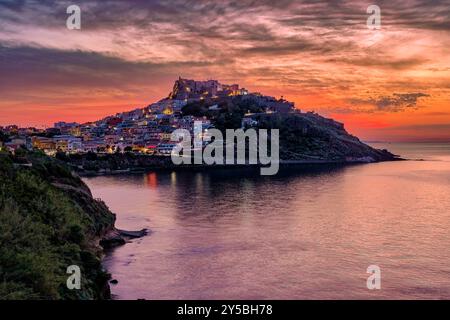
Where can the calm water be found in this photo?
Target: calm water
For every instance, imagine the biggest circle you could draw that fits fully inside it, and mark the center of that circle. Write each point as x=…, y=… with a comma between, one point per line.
x=298, y=235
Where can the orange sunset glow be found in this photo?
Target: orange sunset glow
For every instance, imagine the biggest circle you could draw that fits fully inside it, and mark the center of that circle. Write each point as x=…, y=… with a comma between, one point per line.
x=388, y=84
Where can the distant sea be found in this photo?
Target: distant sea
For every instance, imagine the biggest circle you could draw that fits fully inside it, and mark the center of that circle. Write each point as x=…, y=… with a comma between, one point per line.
x=303, y=234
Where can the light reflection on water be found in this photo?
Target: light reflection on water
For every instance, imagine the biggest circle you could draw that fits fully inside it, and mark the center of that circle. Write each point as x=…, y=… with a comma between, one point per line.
x=302, y=234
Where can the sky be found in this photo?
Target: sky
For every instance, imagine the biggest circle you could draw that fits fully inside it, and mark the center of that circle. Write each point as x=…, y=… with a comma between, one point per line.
x=386, y=84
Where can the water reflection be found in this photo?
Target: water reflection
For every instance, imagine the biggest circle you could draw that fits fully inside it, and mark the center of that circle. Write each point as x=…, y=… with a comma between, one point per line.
x=305, y=233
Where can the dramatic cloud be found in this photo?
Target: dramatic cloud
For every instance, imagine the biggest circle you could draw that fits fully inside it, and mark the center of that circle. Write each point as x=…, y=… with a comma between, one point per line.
x=128, y=53
x=395, y=103
x=398, y=101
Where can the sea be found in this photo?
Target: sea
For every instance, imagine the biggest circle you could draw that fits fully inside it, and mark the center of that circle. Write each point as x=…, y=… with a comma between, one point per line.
x=309, y=232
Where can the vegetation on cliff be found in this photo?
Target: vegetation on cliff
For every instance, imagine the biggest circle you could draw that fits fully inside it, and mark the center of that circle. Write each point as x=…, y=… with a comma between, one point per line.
x=48, y=221
x=309, y=136
x=303, y=136
x=229, y=113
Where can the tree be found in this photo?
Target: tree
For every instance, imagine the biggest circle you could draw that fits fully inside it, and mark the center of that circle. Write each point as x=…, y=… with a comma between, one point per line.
x=62, y=156
x=91, y=156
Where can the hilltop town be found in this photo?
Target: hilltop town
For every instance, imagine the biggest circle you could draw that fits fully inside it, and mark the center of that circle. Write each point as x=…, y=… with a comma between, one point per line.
x=142, y=138
x=144, y=130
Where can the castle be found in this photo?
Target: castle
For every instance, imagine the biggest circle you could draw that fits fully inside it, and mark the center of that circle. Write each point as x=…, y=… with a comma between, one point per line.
x=187, y=89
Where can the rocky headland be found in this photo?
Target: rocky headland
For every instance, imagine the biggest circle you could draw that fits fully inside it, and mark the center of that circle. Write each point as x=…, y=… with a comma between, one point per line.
x=49, y=220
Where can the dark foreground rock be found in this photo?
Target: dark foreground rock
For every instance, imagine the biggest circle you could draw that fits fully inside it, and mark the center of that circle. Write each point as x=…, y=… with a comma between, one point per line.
x=117, y=237
x=133, y=234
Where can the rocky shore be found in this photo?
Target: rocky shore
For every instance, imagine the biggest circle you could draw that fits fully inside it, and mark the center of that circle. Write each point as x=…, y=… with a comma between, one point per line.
x=49, y=220
x=113, y=164
x=116, y=237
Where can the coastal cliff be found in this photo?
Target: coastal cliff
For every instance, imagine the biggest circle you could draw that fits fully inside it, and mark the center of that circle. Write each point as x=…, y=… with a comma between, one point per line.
x=49, y=221
x=311, y=137
x=305, y=138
